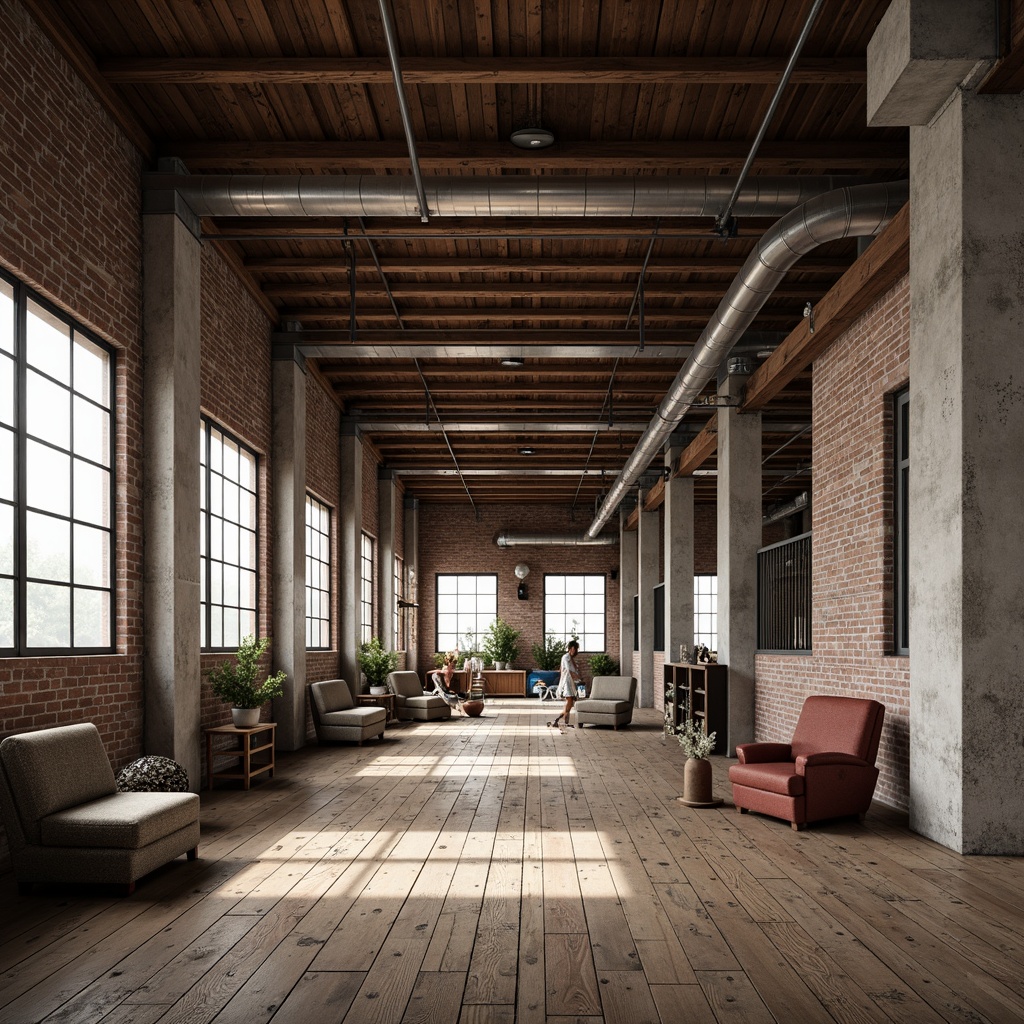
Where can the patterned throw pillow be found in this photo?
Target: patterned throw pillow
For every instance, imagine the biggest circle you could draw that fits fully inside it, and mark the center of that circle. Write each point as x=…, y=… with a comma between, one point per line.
x=153, y=775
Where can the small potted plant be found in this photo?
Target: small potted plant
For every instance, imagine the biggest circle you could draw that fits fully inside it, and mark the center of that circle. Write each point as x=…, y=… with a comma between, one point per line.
x=603, y=665
x=236, y=684
x=501, y=645
x=548, y=659
x=376, y=663
x=697, y=745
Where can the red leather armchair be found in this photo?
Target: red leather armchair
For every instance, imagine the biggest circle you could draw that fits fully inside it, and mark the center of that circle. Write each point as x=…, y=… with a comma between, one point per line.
x=827, y=771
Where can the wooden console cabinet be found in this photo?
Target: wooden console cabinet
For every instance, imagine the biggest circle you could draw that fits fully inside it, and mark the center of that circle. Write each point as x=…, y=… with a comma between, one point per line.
x=699, y=692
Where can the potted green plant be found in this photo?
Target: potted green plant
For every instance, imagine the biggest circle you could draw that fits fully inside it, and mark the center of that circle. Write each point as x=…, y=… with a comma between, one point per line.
x=603, y=665
x=697, y=745
x=375, y=663
x=501, y=645
x=236, y=684
x=548, y=655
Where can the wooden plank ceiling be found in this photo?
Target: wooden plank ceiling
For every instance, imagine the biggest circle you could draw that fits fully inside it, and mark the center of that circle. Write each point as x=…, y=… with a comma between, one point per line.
x=627, y=88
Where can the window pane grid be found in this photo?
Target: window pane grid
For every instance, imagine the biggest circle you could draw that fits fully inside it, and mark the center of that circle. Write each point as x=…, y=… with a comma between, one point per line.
x=229, y=545
x=366, y=588
x=318, y=575
x=56, y=485
x=466, y=604
x=705, y=611
x=575, y=605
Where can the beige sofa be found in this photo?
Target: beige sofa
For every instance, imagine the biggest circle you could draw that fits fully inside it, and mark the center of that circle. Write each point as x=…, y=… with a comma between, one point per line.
x=609, y=702
x=338, y=716
x=411, y=702
x=67, y=822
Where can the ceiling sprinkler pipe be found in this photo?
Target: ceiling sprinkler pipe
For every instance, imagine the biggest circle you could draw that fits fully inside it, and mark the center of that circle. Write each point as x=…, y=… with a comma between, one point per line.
x=568, y=540
x=860, y=211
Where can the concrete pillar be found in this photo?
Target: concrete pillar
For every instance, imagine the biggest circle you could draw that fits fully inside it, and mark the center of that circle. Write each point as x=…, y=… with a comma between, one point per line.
x=628, y=574
x=739, y=537
x=648, y=577
x=412, y=577
x=350, y=532
x=966, y=435
x=387, y=512
x=170, y=409
x=288, y=541
x=678, y=528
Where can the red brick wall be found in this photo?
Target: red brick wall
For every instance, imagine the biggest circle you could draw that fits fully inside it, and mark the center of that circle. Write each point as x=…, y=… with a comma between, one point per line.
x=852, y=524
x=452, y=539
x=235, y=392
x=71, y=230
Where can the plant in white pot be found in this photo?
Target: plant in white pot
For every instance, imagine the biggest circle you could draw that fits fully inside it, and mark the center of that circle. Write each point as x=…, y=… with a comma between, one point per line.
x=696, y=744
x=376, y=663
x=501, y=645
x=236, y=684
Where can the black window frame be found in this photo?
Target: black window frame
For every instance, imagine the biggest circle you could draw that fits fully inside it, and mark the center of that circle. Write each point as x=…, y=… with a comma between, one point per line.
x=22, y=298
x=659, y=618
x=207, y=425
x=314, y=559
x=901, y=522
x=582, y=631
x=479, y=634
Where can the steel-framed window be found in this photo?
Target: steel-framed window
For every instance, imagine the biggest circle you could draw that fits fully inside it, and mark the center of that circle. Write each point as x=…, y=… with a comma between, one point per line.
x=466, y=604
x=901, y=522
x=228, y=540
x=398, y=616
x=318, y=575
x=366, y=563
x=705, y=610
x=57, y=537
x=576, y=605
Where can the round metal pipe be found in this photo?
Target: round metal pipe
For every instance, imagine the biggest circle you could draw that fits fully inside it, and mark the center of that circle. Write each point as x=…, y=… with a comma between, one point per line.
x=568, y=540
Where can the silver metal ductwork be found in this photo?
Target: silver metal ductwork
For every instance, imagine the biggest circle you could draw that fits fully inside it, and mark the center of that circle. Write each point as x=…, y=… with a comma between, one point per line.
x=567, y=540
x=357, y=195
x=862, y=210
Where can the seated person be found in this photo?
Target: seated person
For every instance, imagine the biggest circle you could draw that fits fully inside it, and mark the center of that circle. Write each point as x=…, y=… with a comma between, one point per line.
x=442, y=680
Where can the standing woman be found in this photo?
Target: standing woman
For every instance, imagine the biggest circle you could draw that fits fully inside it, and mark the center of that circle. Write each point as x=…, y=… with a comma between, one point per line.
x=568, y=683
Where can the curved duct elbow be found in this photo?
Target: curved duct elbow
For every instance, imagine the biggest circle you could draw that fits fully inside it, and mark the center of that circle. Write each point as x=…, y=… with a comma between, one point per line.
x=567, y=540
x=863, y=210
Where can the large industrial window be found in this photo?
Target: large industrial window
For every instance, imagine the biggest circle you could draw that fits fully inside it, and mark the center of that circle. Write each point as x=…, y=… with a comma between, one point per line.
x=56, y=481
x=705, y=610
x=784, y=596
x=318, y=575
x=466, y=606
x=901, y=549
x=366, y=588
x=575, y=605
x=659, y=617
x=397, y=611
x=227, y=539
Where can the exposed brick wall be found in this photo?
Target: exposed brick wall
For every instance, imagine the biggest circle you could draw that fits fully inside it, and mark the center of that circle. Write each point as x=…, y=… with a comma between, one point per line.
x=453, y=540
x=852, y=523
x=235, y=392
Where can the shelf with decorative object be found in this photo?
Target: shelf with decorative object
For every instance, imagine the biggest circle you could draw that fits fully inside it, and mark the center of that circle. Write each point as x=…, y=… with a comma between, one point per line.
x=697, y=692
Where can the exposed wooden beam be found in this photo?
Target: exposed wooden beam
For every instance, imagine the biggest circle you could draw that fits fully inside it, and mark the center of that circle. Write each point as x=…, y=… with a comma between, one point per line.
x=879, y=267
x=437, y=157
x=487, y=337
x=727, y=70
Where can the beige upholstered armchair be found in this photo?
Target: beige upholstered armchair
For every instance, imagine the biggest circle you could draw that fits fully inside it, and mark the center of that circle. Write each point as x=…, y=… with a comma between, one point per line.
x=67, y=822
x=337, y=716
x=609, y=702
x=411, y=702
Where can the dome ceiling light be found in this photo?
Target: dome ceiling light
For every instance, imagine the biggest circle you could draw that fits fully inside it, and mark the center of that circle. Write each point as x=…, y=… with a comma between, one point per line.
x=532, y=138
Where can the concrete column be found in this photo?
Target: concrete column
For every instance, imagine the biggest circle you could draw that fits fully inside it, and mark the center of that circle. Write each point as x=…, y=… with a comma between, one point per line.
x=678, y=528
x=628, y=575
x=412, y=577
x=350, y=531
x=170, y=408
x=739, y=537
x=387, y=512
x=966, y=435
x=288, y=541
x=648, y=548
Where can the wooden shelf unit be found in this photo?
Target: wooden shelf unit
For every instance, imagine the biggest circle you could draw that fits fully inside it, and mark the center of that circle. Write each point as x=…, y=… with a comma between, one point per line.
x=699, y=692
x=247, y=769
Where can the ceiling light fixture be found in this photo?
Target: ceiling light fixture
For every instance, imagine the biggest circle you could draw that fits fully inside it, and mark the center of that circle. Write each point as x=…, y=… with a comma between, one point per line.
x=513, y=361
x=532, y=138
x=526, y=451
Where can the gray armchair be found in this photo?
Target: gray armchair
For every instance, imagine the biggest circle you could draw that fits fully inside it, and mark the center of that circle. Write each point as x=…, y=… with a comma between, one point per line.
x=337, y=716
x=411, y=702
x=610, y=702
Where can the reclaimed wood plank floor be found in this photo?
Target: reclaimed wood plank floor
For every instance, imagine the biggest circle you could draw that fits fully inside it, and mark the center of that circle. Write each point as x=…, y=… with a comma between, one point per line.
x=494, y=871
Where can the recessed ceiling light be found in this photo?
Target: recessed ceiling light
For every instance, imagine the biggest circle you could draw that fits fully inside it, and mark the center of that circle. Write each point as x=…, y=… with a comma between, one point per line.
x=526, y=451
x=513, y=361
x=532, y=138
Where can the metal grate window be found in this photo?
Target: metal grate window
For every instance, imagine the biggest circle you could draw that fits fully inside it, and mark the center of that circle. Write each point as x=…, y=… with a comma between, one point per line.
x=318, y=575
x=784, y=596
x=56, y=481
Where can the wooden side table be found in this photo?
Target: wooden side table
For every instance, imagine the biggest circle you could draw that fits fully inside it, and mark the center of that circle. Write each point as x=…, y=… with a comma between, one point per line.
x=246, y=771
x=383, y=700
